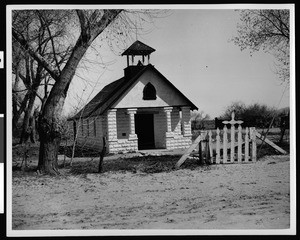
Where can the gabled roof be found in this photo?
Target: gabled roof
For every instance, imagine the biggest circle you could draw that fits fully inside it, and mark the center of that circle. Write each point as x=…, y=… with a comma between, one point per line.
x=101, y=97
x=138, y=48
x=113, y=91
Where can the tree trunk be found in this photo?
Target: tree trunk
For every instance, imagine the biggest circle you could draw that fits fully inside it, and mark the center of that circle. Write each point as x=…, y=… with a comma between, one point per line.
x=27, y=127
x=102, y=154
x=282, y=130
x=14, y=97
x=49, y=120
x=15, y=110
x=48, y=154
x=50, y=135
x=33, y=129
x=17, y=115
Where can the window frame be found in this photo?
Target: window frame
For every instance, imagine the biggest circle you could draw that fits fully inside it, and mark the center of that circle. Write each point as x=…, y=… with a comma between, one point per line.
x=149, y=92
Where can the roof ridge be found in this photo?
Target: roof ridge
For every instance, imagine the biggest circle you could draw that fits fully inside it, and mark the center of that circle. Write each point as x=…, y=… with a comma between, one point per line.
x=114, y=90
x=95, y=99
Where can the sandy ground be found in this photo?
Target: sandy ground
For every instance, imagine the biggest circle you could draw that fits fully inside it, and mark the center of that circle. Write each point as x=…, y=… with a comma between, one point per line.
x=231, y=196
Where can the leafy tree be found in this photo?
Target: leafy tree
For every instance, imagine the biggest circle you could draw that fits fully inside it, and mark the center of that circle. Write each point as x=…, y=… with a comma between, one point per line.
x=253, y=115
x=266, y=30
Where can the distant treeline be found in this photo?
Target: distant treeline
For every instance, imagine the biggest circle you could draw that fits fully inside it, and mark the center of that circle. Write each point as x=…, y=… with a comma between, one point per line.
x=253, y=115
x=280, y=121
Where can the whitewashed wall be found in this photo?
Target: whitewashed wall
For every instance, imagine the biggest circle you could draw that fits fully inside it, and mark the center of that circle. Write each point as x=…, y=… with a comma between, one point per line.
x=166, y=96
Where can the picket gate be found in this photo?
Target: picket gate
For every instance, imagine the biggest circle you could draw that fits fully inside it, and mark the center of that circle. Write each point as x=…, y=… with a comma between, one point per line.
x=218, y=149
x=239, y=146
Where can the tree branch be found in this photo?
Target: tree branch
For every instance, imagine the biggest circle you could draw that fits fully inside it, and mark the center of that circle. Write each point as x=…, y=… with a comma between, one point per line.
x=54, y=74
x=106, y=19
x=273, y=23
x=51, y=39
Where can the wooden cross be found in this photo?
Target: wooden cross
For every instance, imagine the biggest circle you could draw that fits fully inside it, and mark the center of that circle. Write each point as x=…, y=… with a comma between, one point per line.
x=233, y=121
x=232, y=140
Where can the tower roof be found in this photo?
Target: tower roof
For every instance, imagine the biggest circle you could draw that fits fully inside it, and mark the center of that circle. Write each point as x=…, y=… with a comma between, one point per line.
x=138, y=48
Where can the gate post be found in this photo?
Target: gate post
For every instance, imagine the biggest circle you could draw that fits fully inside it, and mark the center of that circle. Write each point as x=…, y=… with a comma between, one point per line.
x=218, y=146
x=224, y=144
x=247, y=145
x=240, y=143
x=253, y=141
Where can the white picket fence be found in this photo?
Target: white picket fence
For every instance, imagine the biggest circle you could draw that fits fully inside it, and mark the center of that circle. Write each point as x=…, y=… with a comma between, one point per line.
x=224, y=149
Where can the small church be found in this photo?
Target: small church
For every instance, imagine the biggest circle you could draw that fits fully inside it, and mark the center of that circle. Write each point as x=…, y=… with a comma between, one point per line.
x=142, y=110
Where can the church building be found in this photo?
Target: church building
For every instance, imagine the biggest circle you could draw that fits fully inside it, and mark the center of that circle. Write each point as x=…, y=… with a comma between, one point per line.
x=142, y=110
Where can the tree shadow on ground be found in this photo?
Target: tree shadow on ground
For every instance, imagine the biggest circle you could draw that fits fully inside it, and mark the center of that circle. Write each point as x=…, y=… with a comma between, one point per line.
x=139, y=164
x=153, y=164
x=144, y=164
x=80, y=151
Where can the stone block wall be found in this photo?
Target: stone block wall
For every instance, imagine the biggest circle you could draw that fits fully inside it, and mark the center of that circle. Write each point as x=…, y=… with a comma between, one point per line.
x=123, y=129
x=115, y=126
x=186, y=121
x=123, y=145
x=176, y=121
x=117, y=143
x=178, y=141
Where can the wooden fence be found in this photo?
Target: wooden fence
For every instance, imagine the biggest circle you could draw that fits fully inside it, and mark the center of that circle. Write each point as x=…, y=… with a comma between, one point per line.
x=229, y=147
x=225, y=147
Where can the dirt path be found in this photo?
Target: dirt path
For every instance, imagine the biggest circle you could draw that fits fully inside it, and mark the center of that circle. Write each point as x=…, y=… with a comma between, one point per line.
x=232, y=196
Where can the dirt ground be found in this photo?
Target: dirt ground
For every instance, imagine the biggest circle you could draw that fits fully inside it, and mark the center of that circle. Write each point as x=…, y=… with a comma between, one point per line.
x=230, y=196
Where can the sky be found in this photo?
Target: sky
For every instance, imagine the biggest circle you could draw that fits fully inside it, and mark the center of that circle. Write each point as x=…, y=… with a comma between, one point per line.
x=194, y=52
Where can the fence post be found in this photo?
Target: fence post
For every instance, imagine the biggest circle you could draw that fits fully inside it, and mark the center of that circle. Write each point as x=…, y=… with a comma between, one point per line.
x=207, y=151
x=232, y=140
x=225, y=144
x=210, y=146
x=239, y=143
x=200, y=153
x=253, y=141
x=247, y=145
x=218, y=146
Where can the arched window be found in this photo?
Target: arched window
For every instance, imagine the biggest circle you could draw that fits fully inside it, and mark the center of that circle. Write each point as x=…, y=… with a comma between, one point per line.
x=149, y=92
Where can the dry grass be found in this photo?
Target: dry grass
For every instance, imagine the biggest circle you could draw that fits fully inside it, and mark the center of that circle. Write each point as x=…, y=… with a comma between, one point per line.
x=147, y=164
x=138, y=164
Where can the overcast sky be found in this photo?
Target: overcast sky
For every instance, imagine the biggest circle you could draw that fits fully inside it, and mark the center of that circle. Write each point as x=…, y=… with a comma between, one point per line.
x=193, y=51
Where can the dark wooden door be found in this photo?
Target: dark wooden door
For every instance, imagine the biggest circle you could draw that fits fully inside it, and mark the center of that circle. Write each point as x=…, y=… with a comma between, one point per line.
x=144, y=128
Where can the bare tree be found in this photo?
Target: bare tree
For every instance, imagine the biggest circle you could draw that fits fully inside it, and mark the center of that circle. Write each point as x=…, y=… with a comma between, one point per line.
x=90, y=23
x=36, y=28
x=267, y=30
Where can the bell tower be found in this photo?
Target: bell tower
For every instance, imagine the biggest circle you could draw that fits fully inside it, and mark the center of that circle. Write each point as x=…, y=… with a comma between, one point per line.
x=136, y=55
